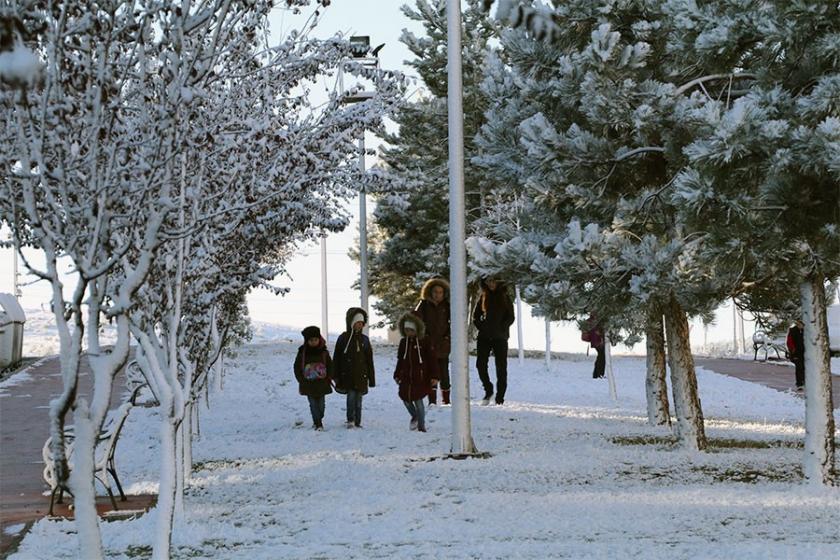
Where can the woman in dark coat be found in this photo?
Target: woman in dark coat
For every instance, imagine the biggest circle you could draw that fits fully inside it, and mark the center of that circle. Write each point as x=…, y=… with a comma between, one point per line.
x=434, y=310
x=353, y=363
x=416, y=369
x=493, y=316
x=313, y=371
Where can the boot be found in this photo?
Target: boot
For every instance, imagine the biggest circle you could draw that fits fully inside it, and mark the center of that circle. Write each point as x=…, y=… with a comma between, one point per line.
x=445, y=395
x=433, y=396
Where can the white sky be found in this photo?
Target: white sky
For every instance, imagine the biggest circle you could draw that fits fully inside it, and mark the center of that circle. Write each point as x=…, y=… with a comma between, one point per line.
x=383, y=21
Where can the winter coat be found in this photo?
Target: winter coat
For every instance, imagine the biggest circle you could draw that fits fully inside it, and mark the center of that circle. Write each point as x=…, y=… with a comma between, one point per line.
x=416, y=361
x=493, y=313
x=353, y=358
x=795, y=342
x=313, y=370
x=436, y=317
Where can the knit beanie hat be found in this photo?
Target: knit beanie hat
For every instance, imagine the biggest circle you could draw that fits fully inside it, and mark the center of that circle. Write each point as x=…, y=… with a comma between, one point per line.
x=410, y=325
x=311, y=332
x=356, y=318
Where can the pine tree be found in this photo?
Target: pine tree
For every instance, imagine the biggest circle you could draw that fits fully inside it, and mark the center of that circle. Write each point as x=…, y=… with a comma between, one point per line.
x=762, y=181
x=610, y=111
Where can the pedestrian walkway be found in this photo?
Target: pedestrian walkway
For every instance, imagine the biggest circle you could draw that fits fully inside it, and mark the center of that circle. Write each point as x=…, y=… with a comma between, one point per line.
x=24, y=427
x=778, y=376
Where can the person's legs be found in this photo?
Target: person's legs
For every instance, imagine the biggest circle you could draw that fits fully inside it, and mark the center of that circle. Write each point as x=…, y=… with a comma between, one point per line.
x=600, y=363
x=421, y=415
x=411, y=407
x=358, y=421
x=322, y=409
x=315, y=411
x=799, y=362
x=443, y=369
x=351, y=406
x=433, y=394
x=481, y=361
x=500, y=355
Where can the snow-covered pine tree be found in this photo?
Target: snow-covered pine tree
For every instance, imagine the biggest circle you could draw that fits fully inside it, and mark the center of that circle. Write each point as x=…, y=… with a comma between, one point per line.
x=411, y=236
x=602, y=148
x=763, y=175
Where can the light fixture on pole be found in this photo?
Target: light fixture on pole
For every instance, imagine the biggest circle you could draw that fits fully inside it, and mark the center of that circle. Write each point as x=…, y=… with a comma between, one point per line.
x=462, y=442
x=363, y=55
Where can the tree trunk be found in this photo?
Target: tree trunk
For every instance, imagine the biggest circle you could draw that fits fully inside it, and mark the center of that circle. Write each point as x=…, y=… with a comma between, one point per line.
x=82, y=483
x=608, y=367
x=819, y=409
x=656, y=387
x=689, y=426
x=166, y=493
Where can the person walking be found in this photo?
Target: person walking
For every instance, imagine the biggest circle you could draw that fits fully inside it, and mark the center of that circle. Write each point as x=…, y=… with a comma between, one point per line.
x=796, y=350
x=434, y=310
x=416, y=369
x=353, y=363
x=493, y=316
x=313, y=370
x=593, y=333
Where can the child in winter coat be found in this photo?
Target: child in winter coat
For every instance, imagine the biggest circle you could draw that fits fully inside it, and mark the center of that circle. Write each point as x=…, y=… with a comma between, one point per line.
x=353, y=359
x=313, y=370
x=417, y=368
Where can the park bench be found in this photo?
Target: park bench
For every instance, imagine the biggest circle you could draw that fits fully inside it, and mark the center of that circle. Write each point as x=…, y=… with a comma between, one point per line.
x=104, y=466
x=764, y=342
x=106, y=445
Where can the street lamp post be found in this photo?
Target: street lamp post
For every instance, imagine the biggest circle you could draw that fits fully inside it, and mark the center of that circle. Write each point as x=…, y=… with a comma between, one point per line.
x=462, y=442
x=362, y=54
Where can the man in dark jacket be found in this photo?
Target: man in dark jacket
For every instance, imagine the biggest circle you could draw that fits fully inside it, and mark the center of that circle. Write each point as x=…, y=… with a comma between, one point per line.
x=434, y=310
x=353, y=364
x=796, y=349
x=493, y=316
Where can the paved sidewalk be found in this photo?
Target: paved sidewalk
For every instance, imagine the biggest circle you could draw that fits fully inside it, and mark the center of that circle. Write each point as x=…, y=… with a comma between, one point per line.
x=775, y=375
x=24, y=427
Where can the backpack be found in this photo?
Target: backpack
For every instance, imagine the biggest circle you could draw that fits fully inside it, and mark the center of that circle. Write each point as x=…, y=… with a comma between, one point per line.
x=314, y=371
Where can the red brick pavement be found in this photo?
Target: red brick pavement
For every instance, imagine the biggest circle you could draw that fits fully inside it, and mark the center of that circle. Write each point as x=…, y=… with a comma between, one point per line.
x=24, y=427
x=775, y=375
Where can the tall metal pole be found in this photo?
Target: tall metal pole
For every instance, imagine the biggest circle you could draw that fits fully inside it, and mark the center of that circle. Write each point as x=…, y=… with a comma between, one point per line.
x=363, y=245
x=547, y=343
x=325, y=328
x=519, y=327
x=462, y=442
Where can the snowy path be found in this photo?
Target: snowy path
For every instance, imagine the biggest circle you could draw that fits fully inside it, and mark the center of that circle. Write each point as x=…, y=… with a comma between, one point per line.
x=567, y=477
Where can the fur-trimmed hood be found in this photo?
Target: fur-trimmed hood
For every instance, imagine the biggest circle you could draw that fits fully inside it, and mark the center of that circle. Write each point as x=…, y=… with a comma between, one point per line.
x=426, y=291
x=349, y=317
x=411, y=316
x=500, y=286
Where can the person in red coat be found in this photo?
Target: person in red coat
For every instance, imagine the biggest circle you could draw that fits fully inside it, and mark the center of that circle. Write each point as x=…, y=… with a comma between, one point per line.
x=417, y=368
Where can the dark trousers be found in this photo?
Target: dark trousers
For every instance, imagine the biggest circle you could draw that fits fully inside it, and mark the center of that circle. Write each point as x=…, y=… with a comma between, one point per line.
x=499, y=348
x=317, y=405
x=443, y=372
x=354, y=407
x=799, y=362
x=600, y=362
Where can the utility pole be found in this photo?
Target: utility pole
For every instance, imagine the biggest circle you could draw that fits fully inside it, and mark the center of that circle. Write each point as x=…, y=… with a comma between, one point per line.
x=462, y=441
x=324, y=299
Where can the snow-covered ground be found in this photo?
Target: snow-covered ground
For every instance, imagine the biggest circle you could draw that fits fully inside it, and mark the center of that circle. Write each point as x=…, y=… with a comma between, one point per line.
x=572, y=475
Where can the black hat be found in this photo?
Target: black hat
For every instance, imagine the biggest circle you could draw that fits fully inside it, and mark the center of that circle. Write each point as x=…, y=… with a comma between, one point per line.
x=311, y=332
